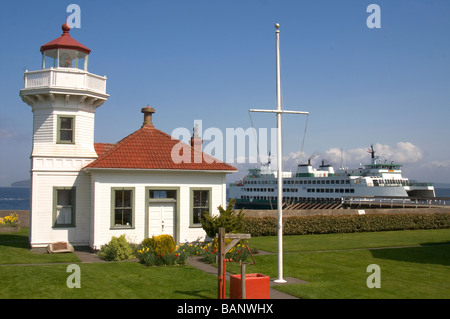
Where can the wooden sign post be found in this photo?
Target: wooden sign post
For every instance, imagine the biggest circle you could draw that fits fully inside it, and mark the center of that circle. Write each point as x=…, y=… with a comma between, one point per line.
x=222, y=279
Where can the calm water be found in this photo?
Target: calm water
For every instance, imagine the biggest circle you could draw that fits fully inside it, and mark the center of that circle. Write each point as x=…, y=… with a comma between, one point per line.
x=18, y=198
x=442, y=192
x=14, y=198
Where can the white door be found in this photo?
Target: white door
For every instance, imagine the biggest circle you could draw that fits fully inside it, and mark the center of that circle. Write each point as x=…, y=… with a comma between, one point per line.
x=161, y=219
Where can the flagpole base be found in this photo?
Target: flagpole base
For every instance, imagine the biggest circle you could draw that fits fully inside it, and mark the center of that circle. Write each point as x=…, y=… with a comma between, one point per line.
x=280, y=281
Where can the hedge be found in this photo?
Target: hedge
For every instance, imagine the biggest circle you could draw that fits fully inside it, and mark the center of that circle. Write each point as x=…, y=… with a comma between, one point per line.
x=321, y=224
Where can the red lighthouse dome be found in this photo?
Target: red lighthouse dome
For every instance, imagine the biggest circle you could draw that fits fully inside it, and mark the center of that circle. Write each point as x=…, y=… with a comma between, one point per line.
x=65, y=52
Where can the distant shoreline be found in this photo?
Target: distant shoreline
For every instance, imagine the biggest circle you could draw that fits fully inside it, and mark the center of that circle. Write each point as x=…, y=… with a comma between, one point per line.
x=24, y=183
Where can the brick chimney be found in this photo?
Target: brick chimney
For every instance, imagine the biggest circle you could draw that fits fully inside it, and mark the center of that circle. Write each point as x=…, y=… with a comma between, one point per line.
x=196, y=141
x=148, y=111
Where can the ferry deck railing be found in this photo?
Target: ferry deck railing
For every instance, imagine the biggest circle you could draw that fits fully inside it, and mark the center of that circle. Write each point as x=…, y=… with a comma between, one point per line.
x=395, y=202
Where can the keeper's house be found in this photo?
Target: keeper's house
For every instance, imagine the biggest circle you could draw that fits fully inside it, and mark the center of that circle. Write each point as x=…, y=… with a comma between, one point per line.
x=84, y=192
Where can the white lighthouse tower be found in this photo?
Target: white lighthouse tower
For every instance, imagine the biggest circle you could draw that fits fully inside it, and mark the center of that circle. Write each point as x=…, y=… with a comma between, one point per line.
x=64, y=97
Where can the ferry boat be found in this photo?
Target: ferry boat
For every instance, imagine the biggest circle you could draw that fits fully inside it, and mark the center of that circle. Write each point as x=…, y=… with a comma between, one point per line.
x=258, y=189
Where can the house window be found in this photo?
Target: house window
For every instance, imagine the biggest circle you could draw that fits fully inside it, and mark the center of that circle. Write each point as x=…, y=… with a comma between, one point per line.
x=122, y=204
x=64, y=207
x=200, y=203
x=66, y=129
x=163, y=194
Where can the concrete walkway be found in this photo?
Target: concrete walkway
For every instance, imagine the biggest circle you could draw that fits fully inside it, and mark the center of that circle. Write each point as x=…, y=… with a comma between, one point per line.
x=87, y=256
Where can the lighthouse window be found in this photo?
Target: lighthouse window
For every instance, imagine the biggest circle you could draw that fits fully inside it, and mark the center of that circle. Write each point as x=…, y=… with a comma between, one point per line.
x=81, y=62
x=50, y=58
x=66, y=125
x=66, y=58
x=64, y=206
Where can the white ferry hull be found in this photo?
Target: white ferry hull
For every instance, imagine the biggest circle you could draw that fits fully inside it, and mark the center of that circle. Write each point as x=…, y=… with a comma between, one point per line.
x=259, y=188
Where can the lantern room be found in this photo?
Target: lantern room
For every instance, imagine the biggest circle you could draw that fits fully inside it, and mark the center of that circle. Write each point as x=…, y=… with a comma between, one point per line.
x=65, y=52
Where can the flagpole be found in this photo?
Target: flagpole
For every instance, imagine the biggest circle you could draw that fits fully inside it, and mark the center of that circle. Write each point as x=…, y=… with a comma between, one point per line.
x=279, y=112
x=280, y=167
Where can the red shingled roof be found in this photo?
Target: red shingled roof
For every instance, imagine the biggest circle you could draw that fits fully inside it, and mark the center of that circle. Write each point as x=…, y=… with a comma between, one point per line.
x=150, y=148
x=65, y=41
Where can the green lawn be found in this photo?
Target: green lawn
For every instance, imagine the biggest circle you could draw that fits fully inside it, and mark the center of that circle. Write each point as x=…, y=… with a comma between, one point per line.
x=14, y=250
x=113, y=280
x=334, y=266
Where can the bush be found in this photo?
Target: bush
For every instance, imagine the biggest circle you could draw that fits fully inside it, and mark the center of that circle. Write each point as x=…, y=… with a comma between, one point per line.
x=209, y=252
x=227, y=218
x=160, y=245
x=161, y=250
x=320, y=224
x=117, y=249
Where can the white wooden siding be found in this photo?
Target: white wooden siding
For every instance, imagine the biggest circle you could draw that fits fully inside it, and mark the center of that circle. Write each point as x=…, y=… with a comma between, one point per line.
x=45, y=135
x=42, y=231
x=103, y=183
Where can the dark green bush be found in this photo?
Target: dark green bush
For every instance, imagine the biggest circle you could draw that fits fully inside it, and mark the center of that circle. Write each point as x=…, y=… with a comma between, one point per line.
x=229, y=219
x=321, y=224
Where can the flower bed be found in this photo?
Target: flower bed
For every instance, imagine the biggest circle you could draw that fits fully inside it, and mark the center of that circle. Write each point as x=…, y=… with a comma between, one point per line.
x=9, y=224
x=179, y=257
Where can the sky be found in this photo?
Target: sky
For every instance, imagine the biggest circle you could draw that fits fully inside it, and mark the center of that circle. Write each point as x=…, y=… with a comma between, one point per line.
x=212, y=61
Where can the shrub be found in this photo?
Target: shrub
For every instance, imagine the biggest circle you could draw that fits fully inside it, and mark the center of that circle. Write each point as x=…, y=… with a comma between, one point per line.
x=117, y=249
x=160, y=245
x=209, y=252
x=229, y=219
x=319, y=224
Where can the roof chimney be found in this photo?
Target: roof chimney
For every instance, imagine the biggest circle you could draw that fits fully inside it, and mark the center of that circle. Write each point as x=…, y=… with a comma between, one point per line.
x=196, y=139
x=148, y=111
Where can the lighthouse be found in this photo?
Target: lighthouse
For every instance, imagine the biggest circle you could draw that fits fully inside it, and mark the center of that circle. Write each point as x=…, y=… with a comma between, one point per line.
x=64, y=97
x=85, y=193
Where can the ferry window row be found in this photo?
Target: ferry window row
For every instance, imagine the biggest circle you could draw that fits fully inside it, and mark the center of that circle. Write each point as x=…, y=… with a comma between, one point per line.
x=291, y=199
x=330, y=190
x=301, y=182
x=258, y=189
x=309, y=190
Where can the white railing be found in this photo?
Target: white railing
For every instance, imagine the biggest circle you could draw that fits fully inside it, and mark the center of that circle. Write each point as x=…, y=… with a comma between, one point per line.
x=65, y=78
x=395, y=201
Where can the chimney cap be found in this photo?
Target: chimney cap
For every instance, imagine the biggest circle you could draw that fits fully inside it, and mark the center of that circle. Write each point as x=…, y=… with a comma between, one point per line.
x=148, y=111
